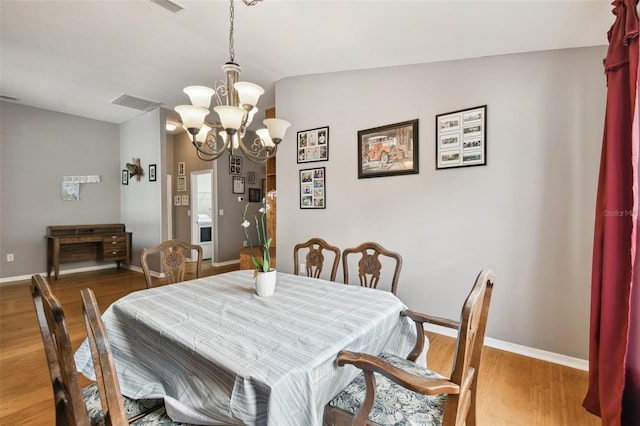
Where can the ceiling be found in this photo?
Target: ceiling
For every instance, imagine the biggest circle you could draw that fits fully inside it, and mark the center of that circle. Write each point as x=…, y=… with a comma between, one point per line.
x=78, y=56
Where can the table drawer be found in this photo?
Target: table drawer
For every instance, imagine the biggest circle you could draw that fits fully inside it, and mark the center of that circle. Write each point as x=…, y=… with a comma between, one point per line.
x=108, y=239
x=114, y=254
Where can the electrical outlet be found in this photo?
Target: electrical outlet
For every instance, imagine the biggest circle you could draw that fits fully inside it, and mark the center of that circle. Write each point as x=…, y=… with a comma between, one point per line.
x=10, y=257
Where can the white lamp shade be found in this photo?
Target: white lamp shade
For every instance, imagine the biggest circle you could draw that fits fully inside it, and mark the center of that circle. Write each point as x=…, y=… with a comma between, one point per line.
x=192, y=116
x=230, y=117
x=277, y=128
x=200, y=96
x=248, y=93
x=264, y=135
x=202, y=134
x=251, y=114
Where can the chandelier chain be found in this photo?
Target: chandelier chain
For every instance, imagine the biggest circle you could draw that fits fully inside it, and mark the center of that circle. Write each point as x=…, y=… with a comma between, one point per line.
x=232, y=52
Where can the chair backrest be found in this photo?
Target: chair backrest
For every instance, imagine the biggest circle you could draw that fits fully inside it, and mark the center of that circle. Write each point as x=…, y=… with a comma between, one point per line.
x=369, y=265
x=466, y=361
x=106, y=376
x=174, y=254
x=314, y=260
x=70, y=406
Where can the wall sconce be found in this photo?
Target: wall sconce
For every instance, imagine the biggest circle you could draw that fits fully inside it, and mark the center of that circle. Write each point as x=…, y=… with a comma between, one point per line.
x=135, y=169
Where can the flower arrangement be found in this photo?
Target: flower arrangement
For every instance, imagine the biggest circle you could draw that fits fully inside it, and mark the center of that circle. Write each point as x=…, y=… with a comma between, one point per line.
x=263, y=261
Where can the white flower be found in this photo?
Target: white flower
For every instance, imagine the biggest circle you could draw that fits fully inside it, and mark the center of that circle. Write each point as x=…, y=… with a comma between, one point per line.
x=245, y=224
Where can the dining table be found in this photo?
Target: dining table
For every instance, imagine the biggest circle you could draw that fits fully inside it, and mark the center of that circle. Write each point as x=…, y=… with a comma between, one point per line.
x=218, y=353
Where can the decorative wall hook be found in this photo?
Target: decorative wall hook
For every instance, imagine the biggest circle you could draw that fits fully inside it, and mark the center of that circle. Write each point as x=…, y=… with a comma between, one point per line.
x=135, y=169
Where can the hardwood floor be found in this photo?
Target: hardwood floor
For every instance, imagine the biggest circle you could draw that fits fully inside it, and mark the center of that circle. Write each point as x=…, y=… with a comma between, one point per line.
x=513, y=389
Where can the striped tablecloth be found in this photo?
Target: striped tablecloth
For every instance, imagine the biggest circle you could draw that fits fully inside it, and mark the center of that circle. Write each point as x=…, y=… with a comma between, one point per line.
x=218, y=353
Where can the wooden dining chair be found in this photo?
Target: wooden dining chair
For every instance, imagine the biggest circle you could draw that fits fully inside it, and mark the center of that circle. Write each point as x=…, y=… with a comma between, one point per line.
x=173, y=261
x=74, y=405
x=314, y=259
x=111, y=399
x=369, y=265
x=403, y=392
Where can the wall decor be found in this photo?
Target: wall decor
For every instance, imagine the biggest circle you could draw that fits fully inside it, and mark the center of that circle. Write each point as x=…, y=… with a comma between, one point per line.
x=125, y=177
x=176, y=200
x=313, y=145
x=313, y=188
x=135, y=169
x=82, y=179
x=251, y=177
x=181, y=168
x=254, y=195
x=235, y=165
x=182, y=183
x=461, y=138
x=388, y=150
x=185, y=200
x=70, y=191
x=152, y=172
x=238, y=185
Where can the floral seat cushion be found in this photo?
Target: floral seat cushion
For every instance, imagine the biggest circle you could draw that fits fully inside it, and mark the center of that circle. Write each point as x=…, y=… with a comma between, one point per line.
x=394, y=405
x=132, y=407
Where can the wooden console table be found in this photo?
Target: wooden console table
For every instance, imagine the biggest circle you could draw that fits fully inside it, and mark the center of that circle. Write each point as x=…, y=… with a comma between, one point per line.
x=75, y=243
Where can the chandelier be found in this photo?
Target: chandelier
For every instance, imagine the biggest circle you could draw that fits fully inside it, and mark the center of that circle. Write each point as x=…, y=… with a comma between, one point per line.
x=236, y=106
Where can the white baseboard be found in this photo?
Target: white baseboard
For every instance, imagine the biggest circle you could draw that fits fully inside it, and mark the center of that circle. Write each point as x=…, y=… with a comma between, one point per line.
x=567, y=361
x=63, y=272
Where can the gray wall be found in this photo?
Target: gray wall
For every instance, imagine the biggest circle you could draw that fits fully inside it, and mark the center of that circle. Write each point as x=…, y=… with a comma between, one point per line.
x=38, y=148
x=528, y=214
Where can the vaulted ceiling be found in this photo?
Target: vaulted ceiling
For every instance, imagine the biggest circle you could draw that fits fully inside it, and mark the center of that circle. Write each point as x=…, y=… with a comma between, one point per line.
x=78, y=56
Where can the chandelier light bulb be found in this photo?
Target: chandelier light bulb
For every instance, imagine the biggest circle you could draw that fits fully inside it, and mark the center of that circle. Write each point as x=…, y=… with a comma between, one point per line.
x=202, y=134
x=192, y=117
x=248, y=93
x=263, y=134
x=231, y=117
x=200, y=96
x=277, y=128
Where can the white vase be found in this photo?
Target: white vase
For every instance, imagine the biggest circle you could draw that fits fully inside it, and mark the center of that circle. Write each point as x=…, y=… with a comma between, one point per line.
x=266, y=283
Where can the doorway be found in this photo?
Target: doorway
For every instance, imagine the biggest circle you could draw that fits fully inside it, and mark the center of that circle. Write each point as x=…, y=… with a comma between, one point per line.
x=201, y=213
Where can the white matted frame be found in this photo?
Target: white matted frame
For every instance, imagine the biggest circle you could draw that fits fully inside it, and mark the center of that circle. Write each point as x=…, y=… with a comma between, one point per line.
x=461, y=138
x=313, y=190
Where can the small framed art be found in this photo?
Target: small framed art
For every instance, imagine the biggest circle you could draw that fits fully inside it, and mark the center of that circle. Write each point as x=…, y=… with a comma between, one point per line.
x=235, y=165
x=181, y=168
x=313, y=191
x=125, y=177
x=182, y=183
x=184, y=200
x=177, y=200
x=238, y=185
x=152, y=172
x=313, y=145
x=254, y=195
x=388, y=150
x=461, y=138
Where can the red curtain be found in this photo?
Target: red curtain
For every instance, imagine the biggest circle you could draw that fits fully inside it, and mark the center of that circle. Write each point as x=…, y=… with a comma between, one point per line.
x=614, y=353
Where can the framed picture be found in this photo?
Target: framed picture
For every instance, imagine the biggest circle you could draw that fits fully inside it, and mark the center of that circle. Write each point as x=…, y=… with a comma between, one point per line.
x=185, y=200
x=251, y=177
x=152, y=172
x=125, y=177
x=176, y=200
x=254, y=195
x=388, y=150
x=182, y=183
x=461, y=138
x=181, y=168
x=313, y=145
x=235, y=165
x=313, y=193
x=238, y=185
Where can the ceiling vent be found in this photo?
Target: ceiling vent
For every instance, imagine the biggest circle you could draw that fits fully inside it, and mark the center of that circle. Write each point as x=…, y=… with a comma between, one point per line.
x=169, y=5
x=136, y=103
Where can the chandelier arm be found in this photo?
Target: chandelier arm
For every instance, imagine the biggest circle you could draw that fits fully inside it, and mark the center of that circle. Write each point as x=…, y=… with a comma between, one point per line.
x=257, y=158
x=213, y=152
